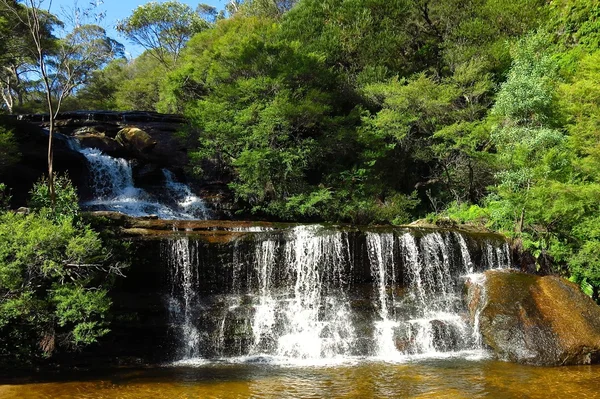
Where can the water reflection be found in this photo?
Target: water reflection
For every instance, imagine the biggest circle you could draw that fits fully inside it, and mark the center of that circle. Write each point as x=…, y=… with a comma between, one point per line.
x=453, y=378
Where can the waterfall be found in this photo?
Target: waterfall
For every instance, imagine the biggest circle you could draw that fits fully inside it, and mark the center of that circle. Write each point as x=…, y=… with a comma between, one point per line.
x=187, y=202
x=314, y=293
x=110, y=176
x=264, y=336
x=113, y=189
x=497, y=257
x=316, y=318
x=182, y=256
x=380, y=249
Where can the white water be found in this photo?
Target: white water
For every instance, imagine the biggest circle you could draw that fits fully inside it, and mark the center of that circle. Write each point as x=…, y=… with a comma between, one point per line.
x=316, y=320
x=182, y=257
x=478, y=279
x=188, y=203
x=380, y=249
x=113, y=188
x=293, y=299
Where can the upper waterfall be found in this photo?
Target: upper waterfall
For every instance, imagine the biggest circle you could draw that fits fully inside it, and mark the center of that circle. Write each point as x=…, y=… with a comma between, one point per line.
x=113, y=189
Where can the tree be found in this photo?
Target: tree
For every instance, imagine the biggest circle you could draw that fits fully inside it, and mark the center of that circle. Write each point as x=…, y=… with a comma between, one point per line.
x=18, y=58
x=140, y=89
x=62, y=65
x=208, y=13
x=84, y=50
x=100, y=91
x=32, y=16
x=268, y=113
x=162, y=29
x=267, y=8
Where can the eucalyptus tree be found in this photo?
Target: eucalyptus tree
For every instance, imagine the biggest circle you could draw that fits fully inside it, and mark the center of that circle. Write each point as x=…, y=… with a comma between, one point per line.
x=84, y=50
x=62, y=65
x=17, y=51
x=162, y=29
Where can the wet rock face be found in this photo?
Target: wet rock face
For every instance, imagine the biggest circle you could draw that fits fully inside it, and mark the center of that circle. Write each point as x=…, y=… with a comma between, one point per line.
x=33, y=163
x=148, y=140
x=145, y=136
x=535, y=320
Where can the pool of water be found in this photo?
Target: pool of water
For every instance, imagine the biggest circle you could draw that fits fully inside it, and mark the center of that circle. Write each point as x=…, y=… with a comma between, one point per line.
x=440, y=378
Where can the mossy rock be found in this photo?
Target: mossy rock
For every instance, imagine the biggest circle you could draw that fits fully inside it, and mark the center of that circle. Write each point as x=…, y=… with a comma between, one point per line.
x=535, y=320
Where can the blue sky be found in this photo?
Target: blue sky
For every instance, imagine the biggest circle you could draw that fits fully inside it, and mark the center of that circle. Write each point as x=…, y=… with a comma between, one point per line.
x=116, y=10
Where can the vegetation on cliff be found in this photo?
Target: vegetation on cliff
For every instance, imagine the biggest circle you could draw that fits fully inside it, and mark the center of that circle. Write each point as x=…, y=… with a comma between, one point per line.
x=384, y=111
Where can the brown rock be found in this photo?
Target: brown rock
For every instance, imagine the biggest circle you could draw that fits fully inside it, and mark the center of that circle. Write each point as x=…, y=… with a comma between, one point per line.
x=100, y=141
x=535, y=320
x=136, y=139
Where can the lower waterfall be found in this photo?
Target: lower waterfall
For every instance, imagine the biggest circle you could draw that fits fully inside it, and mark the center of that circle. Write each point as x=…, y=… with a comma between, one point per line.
x=319, y=294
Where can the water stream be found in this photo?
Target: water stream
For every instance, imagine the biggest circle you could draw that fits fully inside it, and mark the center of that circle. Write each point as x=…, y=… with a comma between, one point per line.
x=113, y=188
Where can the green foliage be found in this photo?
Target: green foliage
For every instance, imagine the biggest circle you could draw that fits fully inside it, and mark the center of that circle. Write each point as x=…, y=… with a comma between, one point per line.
x=140, y=86
x=268, y=111
x=103, y=89
x=577, y=23
x=546, y=137
x=4, y=197
x=527, y=95
x=162, y=29
x=356, y=34
x=436, y=123
x=66, y=204
x=468, y=213
x=266, y=8
x=374, y=39
x=52, y=274
x=9, y=152
x=82, y=308
x=579, y=101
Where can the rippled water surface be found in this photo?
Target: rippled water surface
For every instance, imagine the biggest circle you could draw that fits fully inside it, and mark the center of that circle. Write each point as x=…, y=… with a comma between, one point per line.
x=448, y=378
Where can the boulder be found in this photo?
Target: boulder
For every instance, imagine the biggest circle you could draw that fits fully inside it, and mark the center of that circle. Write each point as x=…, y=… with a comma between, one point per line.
x=136, y=140
x=535, y=320
x=92, y=139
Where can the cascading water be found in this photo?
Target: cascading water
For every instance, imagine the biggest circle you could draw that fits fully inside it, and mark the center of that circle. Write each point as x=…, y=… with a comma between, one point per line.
x=113, y=188
x=316, y=320
x=187, y=202
x=182, y=258
x=312, y=293
x=380, y=248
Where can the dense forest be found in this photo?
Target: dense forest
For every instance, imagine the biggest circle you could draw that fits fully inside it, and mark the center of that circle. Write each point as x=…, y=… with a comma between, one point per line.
x=359, y=111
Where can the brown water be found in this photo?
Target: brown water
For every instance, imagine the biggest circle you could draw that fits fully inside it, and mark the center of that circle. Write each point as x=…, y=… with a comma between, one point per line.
x=427, y=379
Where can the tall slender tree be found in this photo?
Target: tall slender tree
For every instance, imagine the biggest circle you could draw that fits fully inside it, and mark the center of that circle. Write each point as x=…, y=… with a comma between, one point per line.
x=30, y=14
x=62, y=64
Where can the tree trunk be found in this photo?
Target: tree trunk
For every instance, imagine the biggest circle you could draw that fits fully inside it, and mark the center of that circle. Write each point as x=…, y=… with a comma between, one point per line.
x=52, y=117
x=51, y=162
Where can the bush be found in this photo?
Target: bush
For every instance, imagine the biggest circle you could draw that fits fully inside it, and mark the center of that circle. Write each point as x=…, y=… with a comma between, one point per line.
x=53, y=278
x=66, y=204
